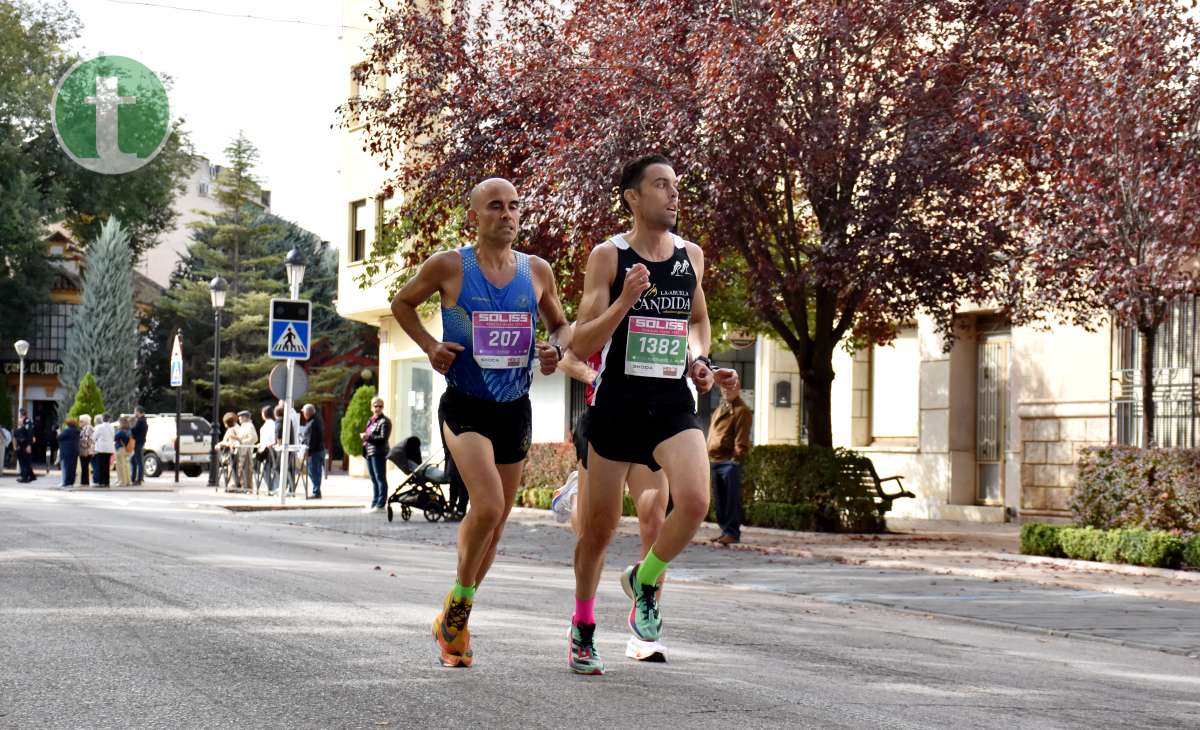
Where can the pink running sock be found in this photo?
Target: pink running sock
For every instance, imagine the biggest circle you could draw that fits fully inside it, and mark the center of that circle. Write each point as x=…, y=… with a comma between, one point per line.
x=585, y=611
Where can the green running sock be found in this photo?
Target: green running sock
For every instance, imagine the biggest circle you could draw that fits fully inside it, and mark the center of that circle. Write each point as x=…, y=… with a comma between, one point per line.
x=651, y=568
x=461, y=591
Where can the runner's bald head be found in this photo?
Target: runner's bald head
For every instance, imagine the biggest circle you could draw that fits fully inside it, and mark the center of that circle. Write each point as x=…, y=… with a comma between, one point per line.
x=488, y=189
x=494, y=209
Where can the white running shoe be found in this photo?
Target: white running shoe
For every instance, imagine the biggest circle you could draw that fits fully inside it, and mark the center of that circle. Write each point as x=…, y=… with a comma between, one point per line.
x=645, y=651
x=564, y=498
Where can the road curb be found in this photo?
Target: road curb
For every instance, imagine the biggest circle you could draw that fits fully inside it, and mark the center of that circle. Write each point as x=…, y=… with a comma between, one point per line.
x=284, y=507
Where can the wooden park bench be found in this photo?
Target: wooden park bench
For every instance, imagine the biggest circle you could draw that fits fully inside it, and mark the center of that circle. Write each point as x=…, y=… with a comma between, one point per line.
x=863, y=471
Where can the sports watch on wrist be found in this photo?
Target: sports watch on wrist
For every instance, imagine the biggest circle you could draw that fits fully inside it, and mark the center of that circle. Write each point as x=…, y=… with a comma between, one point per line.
x=706, y=362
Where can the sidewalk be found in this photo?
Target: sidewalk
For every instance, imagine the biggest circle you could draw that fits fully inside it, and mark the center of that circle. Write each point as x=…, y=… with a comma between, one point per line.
x=964, y=549
x=967, y=549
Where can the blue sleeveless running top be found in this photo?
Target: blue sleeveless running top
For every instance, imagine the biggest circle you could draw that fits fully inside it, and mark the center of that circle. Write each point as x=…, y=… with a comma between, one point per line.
x=496, y=328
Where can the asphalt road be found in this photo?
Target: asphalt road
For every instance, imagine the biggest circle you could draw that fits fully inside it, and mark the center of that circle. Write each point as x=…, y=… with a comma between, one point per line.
x=121, y=612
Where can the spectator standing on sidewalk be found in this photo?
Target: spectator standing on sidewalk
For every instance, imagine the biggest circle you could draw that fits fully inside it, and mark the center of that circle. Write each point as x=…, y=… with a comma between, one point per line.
x=123, y=449
x=728, y=445
x=265, y=453
x=105, y=448
x=138, y=431
x=68, y=451
x=247, y=437
x=314, y=437
x=23, y=440
x=375, y=438
x=87, y=449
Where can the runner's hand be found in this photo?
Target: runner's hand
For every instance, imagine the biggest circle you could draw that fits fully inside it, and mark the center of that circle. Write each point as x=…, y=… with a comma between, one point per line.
x=637, y=281
x=725, y=377
x=441, y=355
x=701, y=376
x=548, y=357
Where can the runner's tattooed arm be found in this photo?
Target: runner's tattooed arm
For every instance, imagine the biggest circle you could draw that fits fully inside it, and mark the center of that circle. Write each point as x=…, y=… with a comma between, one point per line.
x=599, y=316
x=699, y=329
x=441, y=273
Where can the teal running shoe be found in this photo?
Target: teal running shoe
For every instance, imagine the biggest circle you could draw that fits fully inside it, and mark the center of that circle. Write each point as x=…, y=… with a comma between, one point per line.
x=581, y=656
x=644, y=619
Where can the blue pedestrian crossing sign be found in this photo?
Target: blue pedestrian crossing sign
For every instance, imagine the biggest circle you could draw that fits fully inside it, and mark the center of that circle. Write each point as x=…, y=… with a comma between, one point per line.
x=290, y=328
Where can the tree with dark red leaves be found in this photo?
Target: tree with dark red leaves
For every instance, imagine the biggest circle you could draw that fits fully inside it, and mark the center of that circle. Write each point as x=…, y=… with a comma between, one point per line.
x=824, y=149
x=1096, y=115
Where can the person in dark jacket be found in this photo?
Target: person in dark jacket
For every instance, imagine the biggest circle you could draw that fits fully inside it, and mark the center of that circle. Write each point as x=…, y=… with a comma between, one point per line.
x=375, y=438
x=314, y=438
x=68, y=451
x=140, y=427
x=23, y=439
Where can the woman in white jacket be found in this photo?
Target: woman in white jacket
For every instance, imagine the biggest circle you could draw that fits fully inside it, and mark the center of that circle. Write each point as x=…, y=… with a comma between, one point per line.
x=104, y=435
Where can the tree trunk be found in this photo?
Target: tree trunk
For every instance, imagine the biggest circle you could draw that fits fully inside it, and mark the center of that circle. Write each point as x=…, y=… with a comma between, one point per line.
x=818, y=395
x=1147, y=371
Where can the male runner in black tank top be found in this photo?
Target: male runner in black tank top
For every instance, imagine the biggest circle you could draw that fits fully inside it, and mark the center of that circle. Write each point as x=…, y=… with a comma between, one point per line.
x=643, y=309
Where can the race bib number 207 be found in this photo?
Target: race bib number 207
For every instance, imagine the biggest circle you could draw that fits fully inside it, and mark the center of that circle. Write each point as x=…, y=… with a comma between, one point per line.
x=656, y=347
x=501, y=340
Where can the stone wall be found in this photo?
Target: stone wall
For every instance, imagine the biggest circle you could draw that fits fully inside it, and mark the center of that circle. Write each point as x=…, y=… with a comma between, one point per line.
x=1052, y=438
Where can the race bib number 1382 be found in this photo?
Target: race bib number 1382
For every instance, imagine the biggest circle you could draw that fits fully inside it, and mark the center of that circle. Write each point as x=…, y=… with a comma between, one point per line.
x=501, y=340
x=656, y=347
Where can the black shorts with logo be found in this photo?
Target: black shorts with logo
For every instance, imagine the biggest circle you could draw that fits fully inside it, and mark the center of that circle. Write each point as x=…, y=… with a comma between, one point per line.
x=629, y=430
x=509, y=425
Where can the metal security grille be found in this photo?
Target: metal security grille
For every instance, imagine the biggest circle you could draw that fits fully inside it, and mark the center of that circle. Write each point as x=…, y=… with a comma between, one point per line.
x=1174, y=381
x=991, y=403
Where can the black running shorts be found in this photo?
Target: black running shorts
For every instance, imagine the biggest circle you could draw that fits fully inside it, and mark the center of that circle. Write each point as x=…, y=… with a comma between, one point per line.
x=579, y=437
x=509, y=426
x=630, y=430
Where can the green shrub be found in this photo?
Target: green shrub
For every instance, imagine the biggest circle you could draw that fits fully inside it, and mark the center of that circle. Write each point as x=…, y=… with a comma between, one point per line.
x=1191, y=551
x=1124, y=486
x=354, y=420
x=1152, y=548
x=534, y=497
x=88, y=399
x=781, y=515
x=548, y=466
x=789, y=474
x=1087, y=543
x=1041, y=539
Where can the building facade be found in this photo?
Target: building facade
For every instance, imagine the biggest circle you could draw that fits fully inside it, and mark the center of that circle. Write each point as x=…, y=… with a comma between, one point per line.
x=192, y=205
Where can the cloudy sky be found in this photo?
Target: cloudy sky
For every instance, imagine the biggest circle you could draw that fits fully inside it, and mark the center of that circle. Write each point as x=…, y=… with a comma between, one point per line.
x=277, y=77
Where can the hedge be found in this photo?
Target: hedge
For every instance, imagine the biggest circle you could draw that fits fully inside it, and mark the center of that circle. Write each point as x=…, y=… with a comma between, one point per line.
x=800, y=487
x=1135, y=546
x=812, y=475
x=548, y=466
x=1191, y=552
x=781, y=515
x=1124, y=486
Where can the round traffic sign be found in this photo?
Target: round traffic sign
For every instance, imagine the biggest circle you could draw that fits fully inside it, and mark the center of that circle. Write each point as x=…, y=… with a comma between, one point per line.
x=277, y=381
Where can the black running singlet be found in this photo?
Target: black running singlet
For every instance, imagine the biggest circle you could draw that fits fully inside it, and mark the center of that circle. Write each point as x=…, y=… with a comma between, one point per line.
x=647, y=356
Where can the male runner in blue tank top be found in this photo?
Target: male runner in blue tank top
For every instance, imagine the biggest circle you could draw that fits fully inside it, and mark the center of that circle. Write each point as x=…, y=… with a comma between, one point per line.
x=491, y=297
x=643, y=309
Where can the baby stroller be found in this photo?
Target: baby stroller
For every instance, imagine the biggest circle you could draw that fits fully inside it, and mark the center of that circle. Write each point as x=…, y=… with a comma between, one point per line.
x=422, y=487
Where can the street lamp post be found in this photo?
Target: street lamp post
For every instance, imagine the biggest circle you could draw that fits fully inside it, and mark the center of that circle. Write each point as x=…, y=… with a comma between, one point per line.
x=22, y=348
x=216, y=290
x=294, y=262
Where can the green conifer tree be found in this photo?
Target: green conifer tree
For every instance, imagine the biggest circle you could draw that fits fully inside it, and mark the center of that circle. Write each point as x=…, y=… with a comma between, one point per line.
x=355, y=420
x=88, y=400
